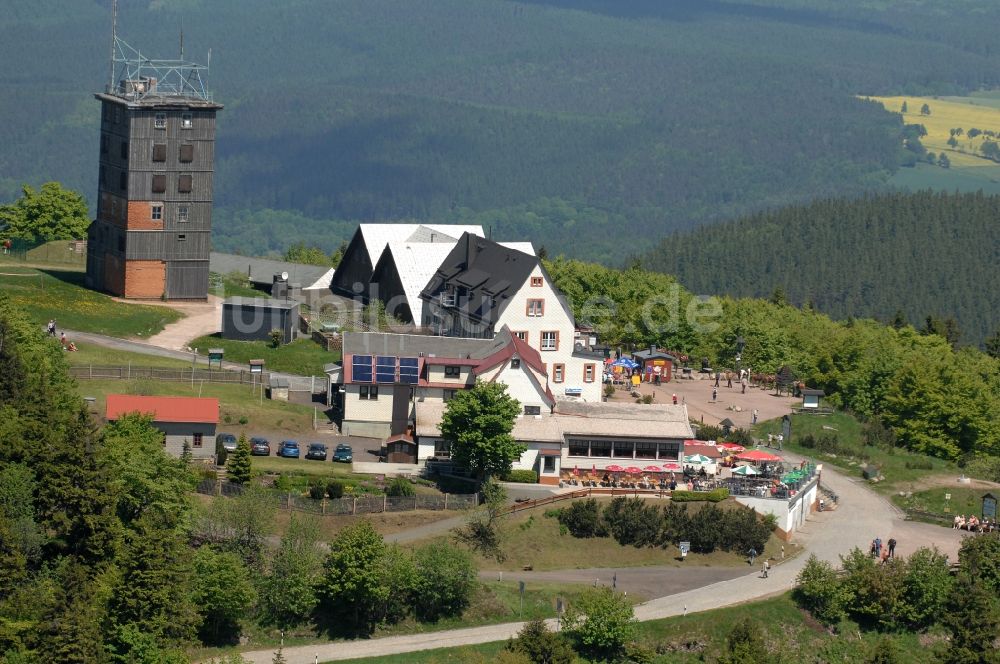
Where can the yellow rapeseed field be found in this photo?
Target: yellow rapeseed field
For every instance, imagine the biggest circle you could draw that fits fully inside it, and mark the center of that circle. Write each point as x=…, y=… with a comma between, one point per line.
x=945, y=116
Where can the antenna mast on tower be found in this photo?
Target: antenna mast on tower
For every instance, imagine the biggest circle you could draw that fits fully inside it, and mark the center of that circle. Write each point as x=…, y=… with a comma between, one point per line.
x=114, y=40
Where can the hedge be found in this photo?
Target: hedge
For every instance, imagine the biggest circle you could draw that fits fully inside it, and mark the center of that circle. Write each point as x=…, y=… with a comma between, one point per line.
x=713, y=496
x=522, y=476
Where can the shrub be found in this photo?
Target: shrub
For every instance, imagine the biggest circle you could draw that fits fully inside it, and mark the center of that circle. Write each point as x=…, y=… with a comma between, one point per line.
x=400, y=486
x=713, y=496
x=708, y=432
x=522, y=476
x=335, y=489
x=276, y=337
x=632, y=521
x=920, y=464
x=819, y=591
x=539, y=644
x=583, y=519
x=745, y=644
x=445, y=580
x=243, y=419
x=601, y=621
x=317, y=490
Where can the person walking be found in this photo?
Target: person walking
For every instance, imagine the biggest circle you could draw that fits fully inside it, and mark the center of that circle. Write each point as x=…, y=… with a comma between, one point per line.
x=718, y=376
x=715, y=393
x=753, y=554
x=754, y=417
x=892, y=547
x=764, y=569
x=52, y=327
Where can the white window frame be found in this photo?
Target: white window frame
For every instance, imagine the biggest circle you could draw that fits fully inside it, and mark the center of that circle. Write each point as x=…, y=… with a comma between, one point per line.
x=535, y=308
x=187, y=121
x=368, y=393
x=160, y=120
x=183, y=214
x=558, y=373
x=554, y=338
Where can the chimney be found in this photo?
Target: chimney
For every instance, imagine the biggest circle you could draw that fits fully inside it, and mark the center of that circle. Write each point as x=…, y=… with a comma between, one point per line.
x=652, y=349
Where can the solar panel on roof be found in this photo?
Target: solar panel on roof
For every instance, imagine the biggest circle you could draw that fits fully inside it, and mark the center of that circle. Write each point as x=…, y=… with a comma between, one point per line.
x=361, y=368
x=385, y=369
x=409, y=371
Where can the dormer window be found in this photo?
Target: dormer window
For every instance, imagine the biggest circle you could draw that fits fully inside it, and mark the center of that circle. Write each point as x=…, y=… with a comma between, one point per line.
x=452, y=371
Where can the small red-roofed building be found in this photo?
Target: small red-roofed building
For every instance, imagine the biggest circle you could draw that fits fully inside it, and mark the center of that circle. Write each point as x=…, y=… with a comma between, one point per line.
x=191, y=419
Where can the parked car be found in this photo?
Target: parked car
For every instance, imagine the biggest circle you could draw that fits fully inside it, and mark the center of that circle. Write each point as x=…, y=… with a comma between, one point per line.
x=260, y=447
x=343, y=453
x=316, y=451
x=227, y=440
x=289, y=448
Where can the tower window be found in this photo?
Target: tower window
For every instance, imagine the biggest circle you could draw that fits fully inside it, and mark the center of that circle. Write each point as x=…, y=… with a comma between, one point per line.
x=187, y=121
x=182, y=213
x=184, y=184
x=159, y=151
x=156, y=212
x=187, y=153
x=124, y=150
x=123, y=180
x=160, y=121
x=159, y=183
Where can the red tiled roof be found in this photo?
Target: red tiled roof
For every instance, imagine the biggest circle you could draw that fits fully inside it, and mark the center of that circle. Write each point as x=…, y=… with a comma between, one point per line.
x=165, y=409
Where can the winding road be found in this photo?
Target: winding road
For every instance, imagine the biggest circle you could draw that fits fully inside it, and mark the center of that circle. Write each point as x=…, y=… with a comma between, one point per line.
x=861, y=515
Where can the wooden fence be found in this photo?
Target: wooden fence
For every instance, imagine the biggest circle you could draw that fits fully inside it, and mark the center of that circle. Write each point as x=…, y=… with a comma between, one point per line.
x=365, y=504
x=242, y=376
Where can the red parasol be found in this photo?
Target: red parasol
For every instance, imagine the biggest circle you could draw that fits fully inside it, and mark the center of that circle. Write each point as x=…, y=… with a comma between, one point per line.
x=633, y=470
x=614, y=468
x=671, y=466
x=757, y=456
x=653, y=469
x=732, y=447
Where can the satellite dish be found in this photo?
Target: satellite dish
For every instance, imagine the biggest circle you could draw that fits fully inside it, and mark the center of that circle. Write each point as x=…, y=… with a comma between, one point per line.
x=284, y=276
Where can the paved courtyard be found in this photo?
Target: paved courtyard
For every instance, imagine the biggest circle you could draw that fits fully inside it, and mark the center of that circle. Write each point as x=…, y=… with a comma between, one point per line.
x=696, y=394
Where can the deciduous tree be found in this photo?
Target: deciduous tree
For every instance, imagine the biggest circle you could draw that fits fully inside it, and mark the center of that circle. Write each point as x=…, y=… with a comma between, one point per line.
x=478, y=424
x=51, y=213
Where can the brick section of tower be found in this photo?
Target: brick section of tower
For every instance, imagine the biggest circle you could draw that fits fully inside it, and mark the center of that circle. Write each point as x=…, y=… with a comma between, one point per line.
x=151, y=237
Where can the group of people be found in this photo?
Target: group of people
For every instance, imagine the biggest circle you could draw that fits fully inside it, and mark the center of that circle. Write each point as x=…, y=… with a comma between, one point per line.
x=66, y=343
x=974, y=524
x=882, y=552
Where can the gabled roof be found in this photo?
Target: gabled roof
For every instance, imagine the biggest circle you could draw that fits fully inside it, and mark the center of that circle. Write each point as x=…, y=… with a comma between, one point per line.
x=416, y=263
x=202, y=410
x=376, y=236
x=489, y=271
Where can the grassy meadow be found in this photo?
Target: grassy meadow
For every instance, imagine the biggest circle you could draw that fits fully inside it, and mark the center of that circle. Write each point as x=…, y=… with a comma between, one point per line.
x=532, y=538
x=236, y=403
x=898, y=465
x=701, y=637
x=60, y=294
x=303, y=356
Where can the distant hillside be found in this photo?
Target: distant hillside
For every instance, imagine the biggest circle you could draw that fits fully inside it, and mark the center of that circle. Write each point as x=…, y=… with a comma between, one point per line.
x=583, y=124
x=924, y=253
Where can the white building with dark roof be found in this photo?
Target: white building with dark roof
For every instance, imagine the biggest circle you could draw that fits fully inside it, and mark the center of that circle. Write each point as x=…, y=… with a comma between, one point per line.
x=483, y=286
x=587, y=436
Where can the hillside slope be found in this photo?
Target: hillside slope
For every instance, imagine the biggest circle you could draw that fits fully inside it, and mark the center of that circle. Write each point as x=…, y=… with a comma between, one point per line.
x=924, y=253
x=572, y=121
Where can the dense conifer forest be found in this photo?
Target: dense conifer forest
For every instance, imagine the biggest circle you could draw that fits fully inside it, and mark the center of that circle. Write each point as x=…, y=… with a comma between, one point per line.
x=895, y=257
x=591, y=126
